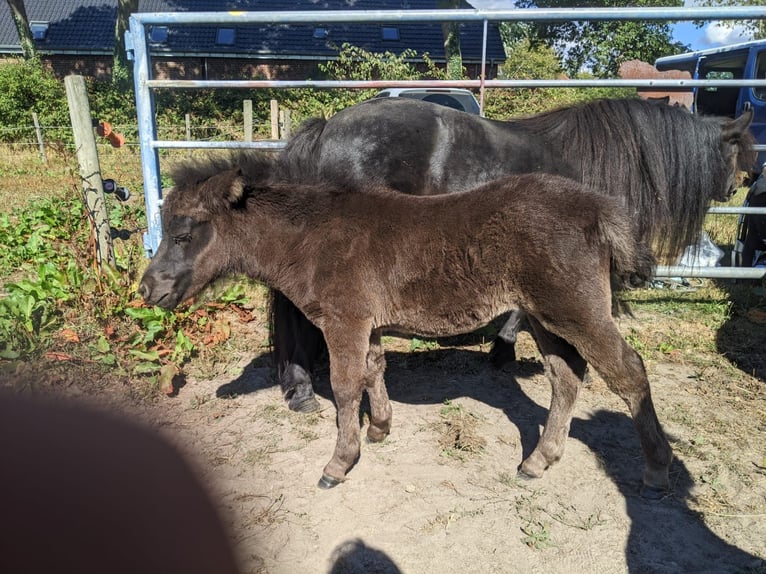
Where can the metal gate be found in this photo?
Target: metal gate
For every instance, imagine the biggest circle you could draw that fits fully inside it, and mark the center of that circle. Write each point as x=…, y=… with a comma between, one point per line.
x=137, y=43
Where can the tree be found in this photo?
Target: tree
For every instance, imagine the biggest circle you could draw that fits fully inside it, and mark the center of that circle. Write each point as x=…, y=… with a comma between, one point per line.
x=757, y=28
x=451, y=34
x=19, y=13
x=121, y=68
x=601, y=46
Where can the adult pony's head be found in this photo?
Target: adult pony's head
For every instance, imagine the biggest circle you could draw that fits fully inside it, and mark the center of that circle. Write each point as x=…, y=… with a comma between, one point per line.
x=198, y=215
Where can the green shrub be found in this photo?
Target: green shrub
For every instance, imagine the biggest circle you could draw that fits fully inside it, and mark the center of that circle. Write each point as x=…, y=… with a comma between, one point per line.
x=27, y=87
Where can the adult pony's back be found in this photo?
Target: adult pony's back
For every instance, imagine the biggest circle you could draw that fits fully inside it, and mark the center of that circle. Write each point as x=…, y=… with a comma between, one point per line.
x=664, y=164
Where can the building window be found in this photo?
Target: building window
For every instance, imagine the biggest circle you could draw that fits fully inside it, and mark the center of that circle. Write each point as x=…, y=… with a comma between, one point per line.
x=225, y=36
x=158, y=34
x=321, y=33
x=389, y=33
x=39, y=30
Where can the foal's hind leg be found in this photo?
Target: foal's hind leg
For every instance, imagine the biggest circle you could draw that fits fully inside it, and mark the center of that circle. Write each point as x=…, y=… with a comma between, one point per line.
x=623, y=371
x=565, y=369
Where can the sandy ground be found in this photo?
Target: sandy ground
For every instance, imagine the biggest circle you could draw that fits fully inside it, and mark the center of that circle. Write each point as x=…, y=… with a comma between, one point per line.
x=413, y=505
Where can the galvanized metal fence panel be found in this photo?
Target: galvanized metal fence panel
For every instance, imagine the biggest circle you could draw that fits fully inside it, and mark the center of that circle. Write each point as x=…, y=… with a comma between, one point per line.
x=137, y=43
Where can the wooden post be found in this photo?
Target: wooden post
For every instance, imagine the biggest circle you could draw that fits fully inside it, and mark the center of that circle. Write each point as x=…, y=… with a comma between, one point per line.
x=284, y=119
x=274, y=120
x=247, y=112
x=40, y=142
x=90, y=170
x=187, y=121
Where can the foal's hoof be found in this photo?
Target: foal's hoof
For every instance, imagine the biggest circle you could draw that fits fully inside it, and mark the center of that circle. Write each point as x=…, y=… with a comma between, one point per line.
x=328, y=482
x=520, y=474
x=303, y=404
x=502, y=353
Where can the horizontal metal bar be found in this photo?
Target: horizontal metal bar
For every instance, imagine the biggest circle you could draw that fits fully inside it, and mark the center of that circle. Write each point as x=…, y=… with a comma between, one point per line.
x=259, y=144
x=362, y=84
x=734, y=210
x=711, y=272
x=314, y=17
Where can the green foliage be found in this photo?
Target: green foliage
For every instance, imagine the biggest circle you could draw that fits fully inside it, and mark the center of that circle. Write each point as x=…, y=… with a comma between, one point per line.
x=601, y=46
x=528, y=61
x=757, y=28
x=111, y=104
x=30, y=235
x=31, y=309
x=27, y=87
x=355, y=63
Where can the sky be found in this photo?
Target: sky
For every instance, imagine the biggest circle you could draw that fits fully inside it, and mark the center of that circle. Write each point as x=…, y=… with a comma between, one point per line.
x=710, y=36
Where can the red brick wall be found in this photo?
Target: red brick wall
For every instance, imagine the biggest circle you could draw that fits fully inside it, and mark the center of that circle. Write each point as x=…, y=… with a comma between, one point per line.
x=100, y=68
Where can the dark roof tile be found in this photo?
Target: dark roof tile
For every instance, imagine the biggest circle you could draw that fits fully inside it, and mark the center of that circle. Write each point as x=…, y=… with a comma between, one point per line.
x=88, y=26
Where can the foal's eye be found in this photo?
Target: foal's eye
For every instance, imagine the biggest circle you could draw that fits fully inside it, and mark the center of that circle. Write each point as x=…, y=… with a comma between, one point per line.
x=179, y=239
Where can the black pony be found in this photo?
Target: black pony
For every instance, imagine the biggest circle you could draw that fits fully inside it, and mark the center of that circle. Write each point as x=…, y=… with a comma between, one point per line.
x=664, y=164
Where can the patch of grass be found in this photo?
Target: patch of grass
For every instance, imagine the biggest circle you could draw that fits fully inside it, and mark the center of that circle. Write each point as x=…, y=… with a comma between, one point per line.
x=537, y=535
x=423, y=345
x=458, y=437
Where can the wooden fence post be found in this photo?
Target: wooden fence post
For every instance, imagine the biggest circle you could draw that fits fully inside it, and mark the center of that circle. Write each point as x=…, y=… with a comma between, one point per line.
x=247, y=112
x=39, y=133
x=90, y=170
x=284, y=124
x=274, y=120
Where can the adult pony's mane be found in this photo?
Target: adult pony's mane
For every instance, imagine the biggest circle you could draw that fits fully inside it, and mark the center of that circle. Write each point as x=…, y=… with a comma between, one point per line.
x=636, y=150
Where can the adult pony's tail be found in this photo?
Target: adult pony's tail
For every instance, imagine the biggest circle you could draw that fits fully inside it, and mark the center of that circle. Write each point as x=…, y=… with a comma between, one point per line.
x=298, y=161
x=632, y=259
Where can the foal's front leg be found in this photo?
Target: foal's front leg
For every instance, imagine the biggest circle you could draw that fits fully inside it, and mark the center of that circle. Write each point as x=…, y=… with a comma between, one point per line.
x=348, y=346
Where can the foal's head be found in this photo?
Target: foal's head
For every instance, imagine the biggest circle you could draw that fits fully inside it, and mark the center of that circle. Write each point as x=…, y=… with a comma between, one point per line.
x=197, y=225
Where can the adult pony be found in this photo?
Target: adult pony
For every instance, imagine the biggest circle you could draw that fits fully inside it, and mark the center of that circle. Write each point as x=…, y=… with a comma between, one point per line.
x=358, y=263
x=662, y=163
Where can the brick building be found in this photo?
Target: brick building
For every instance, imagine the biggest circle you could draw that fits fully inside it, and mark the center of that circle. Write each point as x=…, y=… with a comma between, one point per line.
x=77, y=36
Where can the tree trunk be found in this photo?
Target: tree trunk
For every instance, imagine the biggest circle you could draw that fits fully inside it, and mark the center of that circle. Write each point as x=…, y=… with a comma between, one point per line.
x=451, y=34
x=122, y=72
x=19, y=13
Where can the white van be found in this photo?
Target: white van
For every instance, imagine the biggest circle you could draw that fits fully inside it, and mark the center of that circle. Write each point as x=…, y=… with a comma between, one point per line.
x=456, y=98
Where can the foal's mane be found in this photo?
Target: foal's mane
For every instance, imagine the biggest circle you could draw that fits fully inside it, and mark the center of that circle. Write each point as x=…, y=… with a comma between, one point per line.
x=662, y=161
x=257, y=167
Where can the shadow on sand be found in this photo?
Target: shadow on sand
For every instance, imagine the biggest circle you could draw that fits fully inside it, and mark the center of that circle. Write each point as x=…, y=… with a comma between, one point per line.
x=677, y=537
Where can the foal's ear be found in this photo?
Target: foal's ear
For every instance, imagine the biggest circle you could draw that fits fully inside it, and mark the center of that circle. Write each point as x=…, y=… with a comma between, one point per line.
x=236, y=191
x=736, y=128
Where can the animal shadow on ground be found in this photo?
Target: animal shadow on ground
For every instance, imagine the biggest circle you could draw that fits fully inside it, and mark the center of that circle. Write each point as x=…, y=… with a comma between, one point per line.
x=742, y=338
x=355, y=557
x=665, y=536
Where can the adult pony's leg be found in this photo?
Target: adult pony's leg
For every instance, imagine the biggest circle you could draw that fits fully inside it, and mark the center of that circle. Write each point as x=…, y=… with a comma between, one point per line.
x=565, y=369
x=380, y=406
x=601, y=344
x=503, y=349
x=349, y=347
x=296, y=344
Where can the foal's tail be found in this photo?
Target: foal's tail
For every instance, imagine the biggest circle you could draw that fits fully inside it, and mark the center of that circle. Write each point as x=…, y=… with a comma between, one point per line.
x=299, y=161
x=632, y=259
